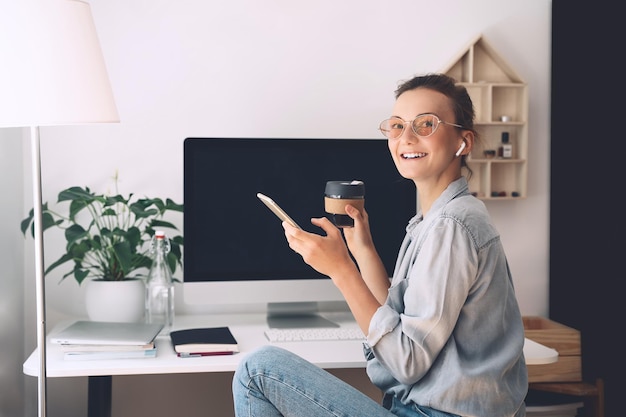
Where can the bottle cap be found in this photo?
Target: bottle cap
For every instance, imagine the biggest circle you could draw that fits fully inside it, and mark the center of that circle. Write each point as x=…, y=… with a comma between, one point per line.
x=159, y=234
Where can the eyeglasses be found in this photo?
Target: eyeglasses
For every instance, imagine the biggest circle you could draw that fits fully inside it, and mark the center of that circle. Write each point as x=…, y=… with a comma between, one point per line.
x=423, y=126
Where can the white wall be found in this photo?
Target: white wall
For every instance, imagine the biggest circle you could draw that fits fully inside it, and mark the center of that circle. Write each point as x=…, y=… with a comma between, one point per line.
x=285, y=68
x=11, y=274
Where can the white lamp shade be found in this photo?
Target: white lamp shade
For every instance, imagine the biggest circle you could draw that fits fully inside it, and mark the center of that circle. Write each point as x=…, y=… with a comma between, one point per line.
x=52, y=71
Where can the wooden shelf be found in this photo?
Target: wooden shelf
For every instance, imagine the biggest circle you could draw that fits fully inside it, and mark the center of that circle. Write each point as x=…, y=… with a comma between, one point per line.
x=500, y=99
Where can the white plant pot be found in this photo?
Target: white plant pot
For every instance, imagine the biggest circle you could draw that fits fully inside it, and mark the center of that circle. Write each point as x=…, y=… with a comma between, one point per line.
x=117, y=301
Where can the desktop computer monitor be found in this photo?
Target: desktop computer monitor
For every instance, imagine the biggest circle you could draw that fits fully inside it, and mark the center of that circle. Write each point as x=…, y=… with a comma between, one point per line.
x=236, y=253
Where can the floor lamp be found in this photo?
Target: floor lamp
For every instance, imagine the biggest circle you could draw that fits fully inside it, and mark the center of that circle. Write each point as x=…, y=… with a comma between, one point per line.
x=52, y=72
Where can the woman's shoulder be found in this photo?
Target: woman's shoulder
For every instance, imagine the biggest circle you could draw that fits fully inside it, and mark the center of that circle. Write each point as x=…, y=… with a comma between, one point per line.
x=465, y=205
x=470, y=213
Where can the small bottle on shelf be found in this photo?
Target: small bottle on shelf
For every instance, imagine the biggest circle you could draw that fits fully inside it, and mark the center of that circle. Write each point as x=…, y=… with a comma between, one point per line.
x=160, y=287
x=506, y=149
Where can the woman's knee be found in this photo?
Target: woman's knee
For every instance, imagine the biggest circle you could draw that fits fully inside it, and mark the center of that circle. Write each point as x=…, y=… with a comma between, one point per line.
x=266, y=358
x=259, y=363
x=260, y=360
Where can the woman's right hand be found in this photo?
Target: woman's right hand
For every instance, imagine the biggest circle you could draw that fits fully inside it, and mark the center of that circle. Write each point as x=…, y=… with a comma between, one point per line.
x=358, y=238
x=361, y=244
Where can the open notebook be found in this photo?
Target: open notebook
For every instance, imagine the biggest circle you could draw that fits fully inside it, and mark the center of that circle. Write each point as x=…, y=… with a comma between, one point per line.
x=106, y=333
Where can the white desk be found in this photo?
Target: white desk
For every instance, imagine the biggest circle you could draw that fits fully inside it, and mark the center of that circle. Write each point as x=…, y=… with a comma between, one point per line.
x=247, y=329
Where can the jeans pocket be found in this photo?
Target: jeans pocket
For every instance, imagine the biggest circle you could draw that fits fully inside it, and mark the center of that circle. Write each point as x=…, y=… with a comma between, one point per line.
x=431, y=412
x=413, y=410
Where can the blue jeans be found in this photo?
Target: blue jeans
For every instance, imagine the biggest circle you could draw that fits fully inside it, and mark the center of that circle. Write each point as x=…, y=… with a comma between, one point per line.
x=274, y=382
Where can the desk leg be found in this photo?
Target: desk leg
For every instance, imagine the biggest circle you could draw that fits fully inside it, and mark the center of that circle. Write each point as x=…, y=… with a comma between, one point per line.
x=99, y=396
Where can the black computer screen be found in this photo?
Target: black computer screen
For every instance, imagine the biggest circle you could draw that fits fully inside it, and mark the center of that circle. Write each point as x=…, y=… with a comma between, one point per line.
x=230, y=235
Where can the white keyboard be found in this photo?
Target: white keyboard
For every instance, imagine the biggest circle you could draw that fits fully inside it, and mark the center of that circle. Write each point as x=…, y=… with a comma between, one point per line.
x=314, y=334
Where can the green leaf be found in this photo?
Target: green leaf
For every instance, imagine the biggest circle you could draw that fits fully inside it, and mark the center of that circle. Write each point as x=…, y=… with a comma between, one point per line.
x=63, y=259
x=171, y=205
x=124, y=256
x=109, y=211
x=106, y=233
x=178, y=240
x=80, y=275
x=26, y=222
x=132, y=236
x=96, y=243
x=76, y=194
x=48, y=221
x=114, y=200
x=156, y=223
x=172, y=261
x=78, y=250
x=75, y=233
x=142, y=261
x=142, y=211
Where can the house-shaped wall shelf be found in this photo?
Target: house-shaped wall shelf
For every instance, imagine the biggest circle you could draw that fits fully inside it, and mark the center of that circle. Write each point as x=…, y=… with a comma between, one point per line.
x=500, y=100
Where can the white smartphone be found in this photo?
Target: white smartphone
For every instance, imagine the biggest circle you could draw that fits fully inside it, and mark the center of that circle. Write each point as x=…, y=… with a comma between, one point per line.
x=277, y=210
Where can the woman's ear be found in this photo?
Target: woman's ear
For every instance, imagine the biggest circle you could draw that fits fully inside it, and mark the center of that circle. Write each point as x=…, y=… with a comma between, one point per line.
x=468, y=143
x=463, y=145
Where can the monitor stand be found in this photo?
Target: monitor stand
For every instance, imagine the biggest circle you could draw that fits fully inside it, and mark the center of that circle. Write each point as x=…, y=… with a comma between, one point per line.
x=296, y=315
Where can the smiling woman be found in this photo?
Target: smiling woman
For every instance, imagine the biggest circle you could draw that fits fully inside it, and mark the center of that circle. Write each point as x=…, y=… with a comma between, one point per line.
x=432, y=321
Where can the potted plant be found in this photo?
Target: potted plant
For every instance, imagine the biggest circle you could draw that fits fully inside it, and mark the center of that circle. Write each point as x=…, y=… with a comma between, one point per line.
x=108, y=240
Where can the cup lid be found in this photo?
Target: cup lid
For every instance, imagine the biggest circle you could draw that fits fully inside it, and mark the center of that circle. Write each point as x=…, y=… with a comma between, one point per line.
x=345, y=189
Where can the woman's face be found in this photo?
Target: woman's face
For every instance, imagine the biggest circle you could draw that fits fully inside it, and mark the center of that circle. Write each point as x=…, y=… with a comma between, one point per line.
x=427, y=161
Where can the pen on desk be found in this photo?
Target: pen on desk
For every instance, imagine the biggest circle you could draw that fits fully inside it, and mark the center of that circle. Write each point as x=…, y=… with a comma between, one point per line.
x=189, y=355
x=199, y=354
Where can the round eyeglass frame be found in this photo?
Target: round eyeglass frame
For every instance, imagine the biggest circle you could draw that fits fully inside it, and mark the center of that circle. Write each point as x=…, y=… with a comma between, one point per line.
x=387, y=132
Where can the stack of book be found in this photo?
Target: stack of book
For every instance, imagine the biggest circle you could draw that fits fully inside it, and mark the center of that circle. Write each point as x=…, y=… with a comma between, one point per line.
x=96, y=340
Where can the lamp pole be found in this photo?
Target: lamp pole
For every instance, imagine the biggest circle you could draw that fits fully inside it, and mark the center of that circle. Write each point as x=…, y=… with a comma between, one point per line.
x=40, y=285
x=52, y=74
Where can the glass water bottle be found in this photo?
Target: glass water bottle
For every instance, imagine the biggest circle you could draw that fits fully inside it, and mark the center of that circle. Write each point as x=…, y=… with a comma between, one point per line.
x=160, y=287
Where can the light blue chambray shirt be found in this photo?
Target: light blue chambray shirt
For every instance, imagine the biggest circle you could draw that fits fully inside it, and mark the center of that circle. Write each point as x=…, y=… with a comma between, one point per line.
x=450, y=335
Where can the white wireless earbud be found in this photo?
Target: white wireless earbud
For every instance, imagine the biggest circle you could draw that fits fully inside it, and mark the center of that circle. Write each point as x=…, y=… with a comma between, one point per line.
x=458, y=153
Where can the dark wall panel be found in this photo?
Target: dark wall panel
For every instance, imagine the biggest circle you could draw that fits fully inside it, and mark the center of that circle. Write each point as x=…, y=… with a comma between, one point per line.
x=587, y=240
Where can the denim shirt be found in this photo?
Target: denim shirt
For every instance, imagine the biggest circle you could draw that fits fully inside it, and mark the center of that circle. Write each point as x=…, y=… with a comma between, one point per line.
x=450, y=335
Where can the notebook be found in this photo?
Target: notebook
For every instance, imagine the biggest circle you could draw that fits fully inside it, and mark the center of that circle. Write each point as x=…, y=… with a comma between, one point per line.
x=204, y=342
x=84, y=332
